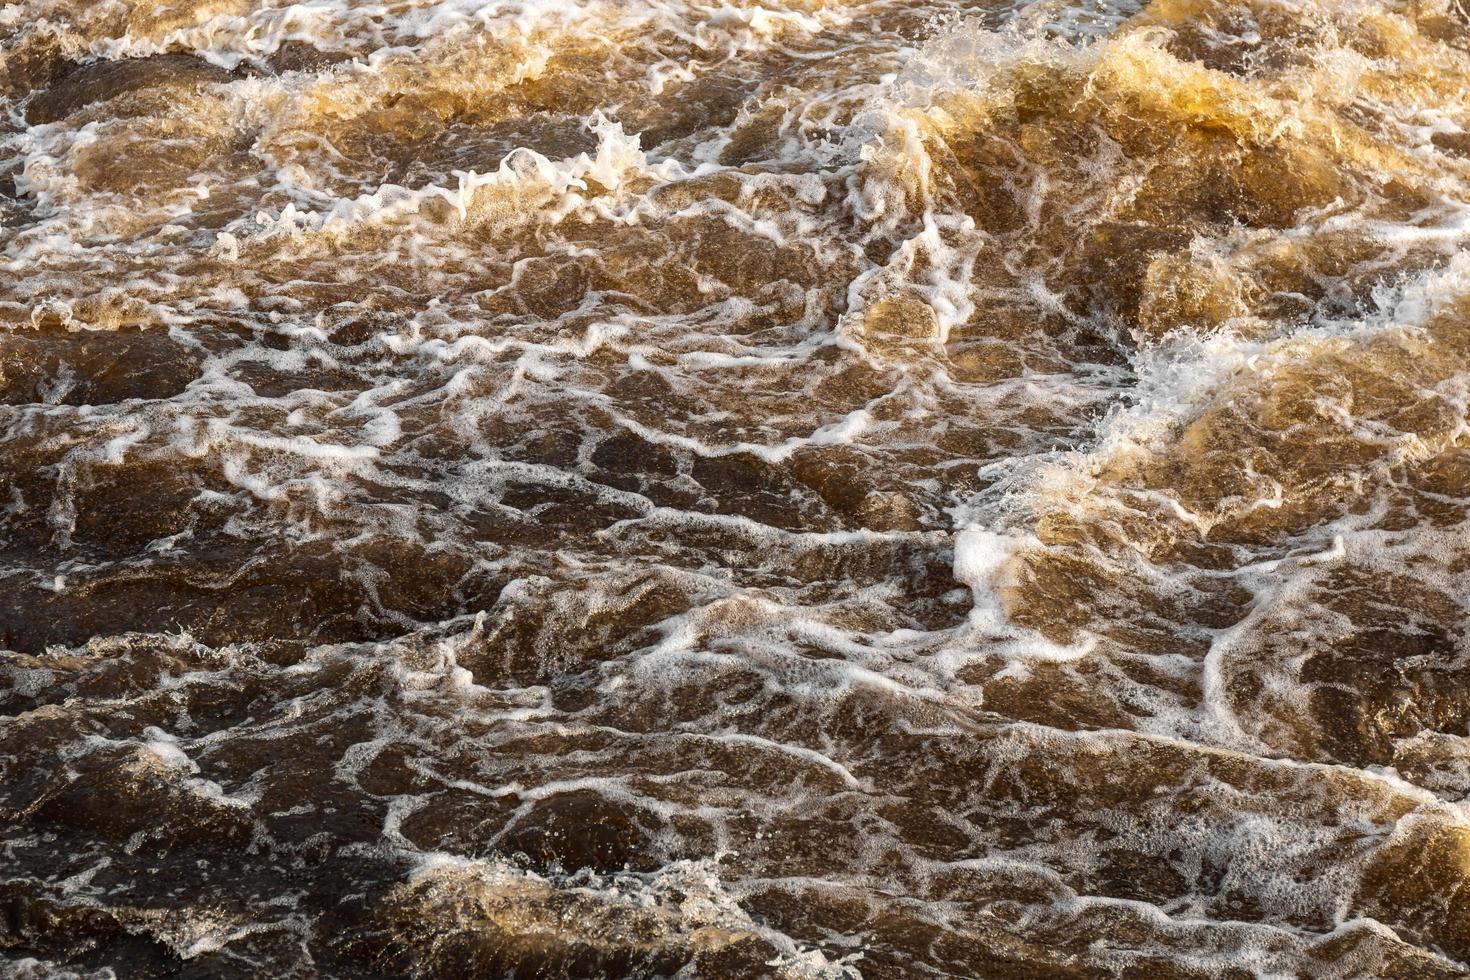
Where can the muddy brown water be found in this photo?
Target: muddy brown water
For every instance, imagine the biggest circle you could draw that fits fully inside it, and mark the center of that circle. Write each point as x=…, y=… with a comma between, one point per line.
x=797, y=488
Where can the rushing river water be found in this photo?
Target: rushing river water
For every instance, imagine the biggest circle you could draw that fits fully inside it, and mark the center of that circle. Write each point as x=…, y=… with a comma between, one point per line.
x=734, y=488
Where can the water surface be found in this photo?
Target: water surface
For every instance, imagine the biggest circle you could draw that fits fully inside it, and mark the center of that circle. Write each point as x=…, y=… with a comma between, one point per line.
x=797, y=488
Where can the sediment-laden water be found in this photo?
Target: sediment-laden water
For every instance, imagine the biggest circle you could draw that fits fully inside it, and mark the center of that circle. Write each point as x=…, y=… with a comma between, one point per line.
x=770, y=488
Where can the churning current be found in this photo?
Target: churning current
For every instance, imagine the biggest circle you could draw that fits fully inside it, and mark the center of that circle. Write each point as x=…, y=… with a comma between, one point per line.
x=734, y=488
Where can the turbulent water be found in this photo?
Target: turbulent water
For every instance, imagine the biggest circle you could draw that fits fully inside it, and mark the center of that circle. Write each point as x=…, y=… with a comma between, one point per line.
x=734, y=488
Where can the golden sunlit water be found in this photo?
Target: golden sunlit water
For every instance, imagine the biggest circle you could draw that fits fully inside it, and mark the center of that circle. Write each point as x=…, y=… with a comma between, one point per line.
x=757, y=488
